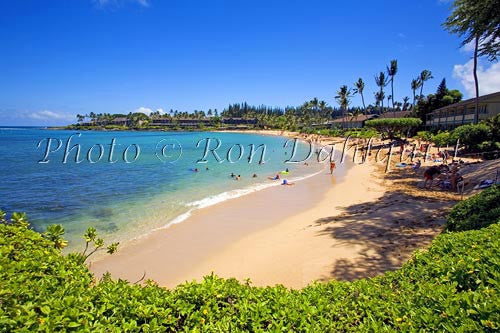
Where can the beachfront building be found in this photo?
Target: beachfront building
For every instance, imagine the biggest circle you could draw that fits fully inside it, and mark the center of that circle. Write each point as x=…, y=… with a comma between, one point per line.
x=182, y=122
x=350, y=122
x=359, y=121
x=119, y=121
x=463, y=112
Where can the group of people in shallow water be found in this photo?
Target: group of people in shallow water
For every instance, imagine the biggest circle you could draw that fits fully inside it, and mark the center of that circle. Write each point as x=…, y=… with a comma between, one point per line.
x=197, y=170
x=277, y=177
x=279, y=174
x=238, y=177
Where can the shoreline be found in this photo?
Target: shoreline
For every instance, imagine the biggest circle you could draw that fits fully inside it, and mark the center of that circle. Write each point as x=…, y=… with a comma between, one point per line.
x=207, y=231
x=289, y=235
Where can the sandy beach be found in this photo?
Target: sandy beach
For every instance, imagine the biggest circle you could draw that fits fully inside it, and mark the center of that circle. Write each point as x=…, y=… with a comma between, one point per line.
x=357, y=223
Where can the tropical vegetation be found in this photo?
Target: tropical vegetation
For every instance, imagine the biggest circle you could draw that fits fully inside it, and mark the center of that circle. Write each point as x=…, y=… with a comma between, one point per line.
x=443, y=97
x=312, y=115
x=392, y=128
x=482, y=137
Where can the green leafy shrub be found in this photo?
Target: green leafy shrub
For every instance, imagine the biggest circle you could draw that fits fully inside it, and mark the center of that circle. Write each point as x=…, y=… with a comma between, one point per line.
x=324, y=131
x=424, y=135
x=361, y=133
x=442, y=139
x=452, y=286
x=472, y=135
x=392, y=127
x=476, y=212
x=494, y=124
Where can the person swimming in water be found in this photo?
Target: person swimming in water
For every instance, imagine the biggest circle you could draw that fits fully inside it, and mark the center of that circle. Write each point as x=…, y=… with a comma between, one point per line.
x=254, y=175
x=277, y=177
x=238, y=177
x=232, y=175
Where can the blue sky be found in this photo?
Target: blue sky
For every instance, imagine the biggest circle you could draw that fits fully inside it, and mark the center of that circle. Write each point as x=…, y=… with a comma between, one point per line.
x=59, y=57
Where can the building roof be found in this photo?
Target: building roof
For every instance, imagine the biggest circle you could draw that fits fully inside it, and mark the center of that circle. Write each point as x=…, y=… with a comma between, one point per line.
x=485, y=98
x=120, y=119
x=362, y=117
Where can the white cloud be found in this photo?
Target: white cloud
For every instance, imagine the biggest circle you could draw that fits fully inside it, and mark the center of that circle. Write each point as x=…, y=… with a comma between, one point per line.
x=50, y=115
x=469, y=47
x=488, y=77
x=148, y=111
x=144, y=110
x=401, y=35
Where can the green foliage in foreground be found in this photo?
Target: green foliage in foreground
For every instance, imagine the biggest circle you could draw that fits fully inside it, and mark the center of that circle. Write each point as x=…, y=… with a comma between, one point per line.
x=476, y=212
x=452, y=286
x=392, y=127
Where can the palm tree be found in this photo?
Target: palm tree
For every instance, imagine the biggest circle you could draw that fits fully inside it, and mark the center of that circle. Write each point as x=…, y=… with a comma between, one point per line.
x=306, y=113
x=359, y=86
x=424, y=76
x=354, y=114
x=343, y=98
x=392, y=69
x=406, y=99
x=379, y=100
x=415, y=84
x=313, y=104
x=381, y=82
x=322, y=107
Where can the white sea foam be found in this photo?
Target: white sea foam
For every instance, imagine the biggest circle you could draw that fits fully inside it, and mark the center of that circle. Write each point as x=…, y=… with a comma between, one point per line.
x=221, y=197
x=233, y=194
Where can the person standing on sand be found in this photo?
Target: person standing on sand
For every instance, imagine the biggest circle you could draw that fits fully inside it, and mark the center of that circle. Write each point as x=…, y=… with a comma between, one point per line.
x=332, y=167
x=429, y=175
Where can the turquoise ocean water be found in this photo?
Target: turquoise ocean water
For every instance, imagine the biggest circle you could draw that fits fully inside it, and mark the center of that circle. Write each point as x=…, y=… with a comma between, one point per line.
x=127, y=200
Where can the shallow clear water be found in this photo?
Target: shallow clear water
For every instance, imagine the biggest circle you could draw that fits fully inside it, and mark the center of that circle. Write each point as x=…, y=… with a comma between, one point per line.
x=126, y=200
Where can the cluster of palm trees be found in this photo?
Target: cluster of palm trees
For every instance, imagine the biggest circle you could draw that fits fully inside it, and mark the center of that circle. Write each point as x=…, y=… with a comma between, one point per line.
x=382, y=80
x=94, y=116
x=310, y=112
x=424, y=76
